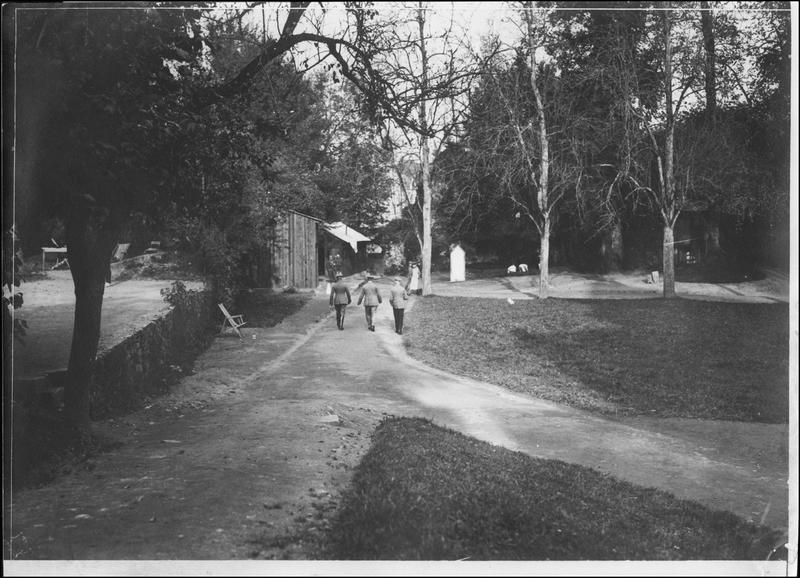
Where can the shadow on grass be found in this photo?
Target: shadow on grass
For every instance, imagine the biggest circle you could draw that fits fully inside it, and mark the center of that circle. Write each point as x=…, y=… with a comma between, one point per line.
x=668, y=358
x=677, y=358
x=423, y=492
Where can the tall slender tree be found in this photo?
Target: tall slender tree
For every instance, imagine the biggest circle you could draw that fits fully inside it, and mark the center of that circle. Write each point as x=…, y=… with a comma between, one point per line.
x=710, y=70
x=545, y=201
x=658, y=120
x=428, y=80
x=520, y=136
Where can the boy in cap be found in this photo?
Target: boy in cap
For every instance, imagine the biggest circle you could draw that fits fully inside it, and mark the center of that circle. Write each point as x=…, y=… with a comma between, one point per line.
x=398, y=299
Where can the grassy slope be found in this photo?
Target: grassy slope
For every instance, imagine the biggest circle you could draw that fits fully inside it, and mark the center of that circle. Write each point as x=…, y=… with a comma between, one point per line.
x=427, y=493
x=679, y=358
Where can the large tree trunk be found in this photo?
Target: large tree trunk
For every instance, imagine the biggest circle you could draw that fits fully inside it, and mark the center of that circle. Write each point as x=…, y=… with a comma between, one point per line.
x=424, y=154
x=89, y=247
x=707, y=24
x=668, y=210
x=543, y=190
x=544, y=259
x=711, y=246
x=669, y=261
x=427, y=237
x=611, y=249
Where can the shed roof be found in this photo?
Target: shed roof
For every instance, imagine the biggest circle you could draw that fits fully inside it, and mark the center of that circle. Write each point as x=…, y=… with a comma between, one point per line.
x=346, y=234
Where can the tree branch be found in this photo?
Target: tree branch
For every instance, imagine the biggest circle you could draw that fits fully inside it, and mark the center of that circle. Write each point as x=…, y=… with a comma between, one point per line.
x=272, y=50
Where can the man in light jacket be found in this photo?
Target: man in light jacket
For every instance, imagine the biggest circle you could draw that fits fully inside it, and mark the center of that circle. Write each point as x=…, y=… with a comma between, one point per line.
x=371, y=298
x=398, y=299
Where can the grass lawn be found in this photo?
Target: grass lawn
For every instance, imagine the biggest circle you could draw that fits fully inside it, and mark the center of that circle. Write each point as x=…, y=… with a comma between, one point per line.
x=676, y=358
x=427, y=493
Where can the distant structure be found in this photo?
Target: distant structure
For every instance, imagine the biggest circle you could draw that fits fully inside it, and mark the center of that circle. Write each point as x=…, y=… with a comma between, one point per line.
x=457, y=264
x=295, y=255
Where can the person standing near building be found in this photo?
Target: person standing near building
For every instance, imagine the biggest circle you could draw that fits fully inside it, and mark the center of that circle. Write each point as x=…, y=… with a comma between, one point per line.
x=398, y=299
x=340, y=298
x=413, y=280
x=371, y=298
x=332, y=267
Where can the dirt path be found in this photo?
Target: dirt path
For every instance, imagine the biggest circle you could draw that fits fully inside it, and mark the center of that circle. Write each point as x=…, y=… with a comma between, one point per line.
x=566, y=284
x=248, y=456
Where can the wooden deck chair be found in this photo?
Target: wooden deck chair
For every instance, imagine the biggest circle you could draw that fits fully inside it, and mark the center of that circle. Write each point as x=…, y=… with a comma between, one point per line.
x=120, y=252
x=233, y=321
x=58, y=250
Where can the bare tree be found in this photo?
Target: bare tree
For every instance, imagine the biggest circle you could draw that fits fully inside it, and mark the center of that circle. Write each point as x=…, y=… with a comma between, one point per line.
x=428, y=81
x=523, y=139
x=669, y=195
x=545, y=202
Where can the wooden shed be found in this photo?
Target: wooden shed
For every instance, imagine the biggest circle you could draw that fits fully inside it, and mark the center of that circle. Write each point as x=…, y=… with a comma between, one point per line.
x=290, y=259
x=348, y=245
x=295, y=254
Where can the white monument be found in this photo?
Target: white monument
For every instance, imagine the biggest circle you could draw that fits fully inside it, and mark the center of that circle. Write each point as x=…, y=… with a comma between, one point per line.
x=457, y=264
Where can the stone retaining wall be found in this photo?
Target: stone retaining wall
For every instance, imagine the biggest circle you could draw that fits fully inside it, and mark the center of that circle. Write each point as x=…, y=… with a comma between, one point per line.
x=127, y=377
x=147, y=362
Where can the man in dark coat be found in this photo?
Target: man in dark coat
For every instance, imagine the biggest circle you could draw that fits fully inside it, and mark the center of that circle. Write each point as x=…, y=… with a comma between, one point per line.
x=340, y=298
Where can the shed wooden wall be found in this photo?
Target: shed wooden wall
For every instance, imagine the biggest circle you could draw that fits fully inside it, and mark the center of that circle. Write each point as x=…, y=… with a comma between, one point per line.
x=292, y=254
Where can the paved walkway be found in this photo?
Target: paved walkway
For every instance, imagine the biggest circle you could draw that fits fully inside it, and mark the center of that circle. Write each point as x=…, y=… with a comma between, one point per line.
x=741, y=467
x=283, y=417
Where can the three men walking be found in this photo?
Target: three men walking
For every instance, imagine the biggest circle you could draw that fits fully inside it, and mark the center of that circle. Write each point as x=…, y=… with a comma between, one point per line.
x=371, y=297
